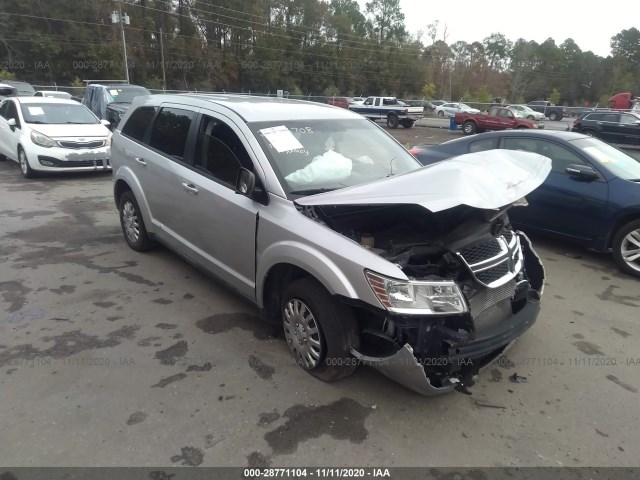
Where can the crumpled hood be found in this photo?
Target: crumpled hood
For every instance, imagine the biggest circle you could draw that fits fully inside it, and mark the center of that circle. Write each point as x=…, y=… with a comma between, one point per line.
x=485, y=180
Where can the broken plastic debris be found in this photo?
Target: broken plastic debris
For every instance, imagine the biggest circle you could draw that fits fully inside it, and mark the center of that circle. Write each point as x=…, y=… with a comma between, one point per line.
x=515, y=378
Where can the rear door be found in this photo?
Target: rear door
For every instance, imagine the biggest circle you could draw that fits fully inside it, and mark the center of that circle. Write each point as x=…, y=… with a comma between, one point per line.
x=562, y=204
x=160, y=163
x=628, y=130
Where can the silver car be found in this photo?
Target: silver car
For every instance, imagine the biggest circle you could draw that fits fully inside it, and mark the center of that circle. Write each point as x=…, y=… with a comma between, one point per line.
x=336, y=232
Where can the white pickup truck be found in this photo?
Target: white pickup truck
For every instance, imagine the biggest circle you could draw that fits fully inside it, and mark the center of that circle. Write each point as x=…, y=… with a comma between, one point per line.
x=390, y=109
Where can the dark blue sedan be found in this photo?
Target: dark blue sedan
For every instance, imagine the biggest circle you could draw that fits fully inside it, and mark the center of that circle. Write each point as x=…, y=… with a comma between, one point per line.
x=591, y=196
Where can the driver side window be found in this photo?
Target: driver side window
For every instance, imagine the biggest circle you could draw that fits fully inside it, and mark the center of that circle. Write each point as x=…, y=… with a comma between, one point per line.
x=560, y=156
x=219, y=151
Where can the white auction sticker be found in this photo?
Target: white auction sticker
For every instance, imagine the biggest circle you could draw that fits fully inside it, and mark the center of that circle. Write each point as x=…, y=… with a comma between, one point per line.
x=36, y=111
x=281, y=138
x=114, y=93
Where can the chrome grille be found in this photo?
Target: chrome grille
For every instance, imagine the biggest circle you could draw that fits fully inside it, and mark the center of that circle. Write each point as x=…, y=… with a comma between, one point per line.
x=89, y=144
x=494, y=261
x=491, y=306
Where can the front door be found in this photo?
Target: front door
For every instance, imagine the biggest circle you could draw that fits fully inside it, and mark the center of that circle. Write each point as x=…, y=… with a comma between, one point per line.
x=222, y=223
x=563, y=204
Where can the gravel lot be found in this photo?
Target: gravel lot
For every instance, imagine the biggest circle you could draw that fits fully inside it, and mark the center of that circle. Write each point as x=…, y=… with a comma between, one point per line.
x=111, y=357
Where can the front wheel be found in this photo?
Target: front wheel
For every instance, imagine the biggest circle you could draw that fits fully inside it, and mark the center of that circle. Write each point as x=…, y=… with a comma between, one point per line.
x=530, y=117
x=441, y=113
x=132, y=224
x=26, y=169
x=469, y=128
x=553, y=116
x=626, y=248
x=393, y=121
x=319, y=330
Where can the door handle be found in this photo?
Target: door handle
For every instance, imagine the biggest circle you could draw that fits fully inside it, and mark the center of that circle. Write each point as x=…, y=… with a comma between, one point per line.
x=141, y=161
x=190, y=187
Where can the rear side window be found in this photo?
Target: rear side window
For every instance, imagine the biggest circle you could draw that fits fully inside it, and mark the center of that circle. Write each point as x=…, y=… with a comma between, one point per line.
x=170, y=130
x=136, y=126
x=560, y=156
x=483, y=145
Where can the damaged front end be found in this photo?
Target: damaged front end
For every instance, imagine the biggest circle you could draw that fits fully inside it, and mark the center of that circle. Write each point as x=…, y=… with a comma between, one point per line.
x=473, y=287
x=467, y=286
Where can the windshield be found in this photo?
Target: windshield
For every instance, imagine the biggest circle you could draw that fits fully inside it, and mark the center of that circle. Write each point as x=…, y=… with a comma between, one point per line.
x=57, y=113
x=126, y=94
x=314, y=156
x=616, y=161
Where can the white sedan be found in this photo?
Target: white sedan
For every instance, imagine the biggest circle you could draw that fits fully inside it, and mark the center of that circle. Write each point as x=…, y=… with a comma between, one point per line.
x=53, y=135
x=527, y=112
x=453, y=108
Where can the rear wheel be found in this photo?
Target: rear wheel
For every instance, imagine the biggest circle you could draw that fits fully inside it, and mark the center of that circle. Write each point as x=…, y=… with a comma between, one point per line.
x=407, y=123
x=469, y=128
x=319, y=330
x=393, y=121
x=588, y=132
x=626, y=248
x=26, y=169
x=132, y=224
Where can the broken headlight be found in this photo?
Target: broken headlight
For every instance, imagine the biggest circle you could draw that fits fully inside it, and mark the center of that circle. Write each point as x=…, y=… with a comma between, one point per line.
x=417, y=297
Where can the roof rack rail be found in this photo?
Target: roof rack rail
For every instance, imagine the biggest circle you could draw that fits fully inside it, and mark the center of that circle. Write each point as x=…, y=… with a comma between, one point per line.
x=89, y=82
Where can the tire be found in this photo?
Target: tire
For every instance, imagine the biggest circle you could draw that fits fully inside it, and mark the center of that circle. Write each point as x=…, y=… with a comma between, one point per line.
x=625, y=242
x=27, y=171
x=469, y=128
x=393, y=121
x=588, y=132
x=330, y=324
x=441, y=113
x=407, y=123
x=133, y=229
x=553, y=116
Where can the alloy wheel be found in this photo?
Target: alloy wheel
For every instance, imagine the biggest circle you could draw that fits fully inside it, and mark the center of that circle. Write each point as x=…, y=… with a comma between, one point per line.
x=630, y=249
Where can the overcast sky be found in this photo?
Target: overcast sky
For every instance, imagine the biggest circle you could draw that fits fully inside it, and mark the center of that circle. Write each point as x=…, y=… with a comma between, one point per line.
x=590, y=24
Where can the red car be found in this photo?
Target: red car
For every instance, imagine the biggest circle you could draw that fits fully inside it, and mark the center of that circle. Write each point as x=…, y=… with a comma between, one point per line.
x=339, y=102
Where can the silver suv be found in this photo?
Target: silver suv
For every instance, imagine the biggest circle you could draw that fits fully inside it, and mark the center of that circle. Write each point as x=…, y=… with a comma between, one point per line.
x=335, y=231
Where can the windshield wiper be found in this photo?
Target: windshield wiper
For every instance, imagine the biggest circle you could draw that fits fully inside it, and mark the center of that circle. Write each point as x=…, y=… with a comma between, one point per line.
x=312, y=191
x=78, y=123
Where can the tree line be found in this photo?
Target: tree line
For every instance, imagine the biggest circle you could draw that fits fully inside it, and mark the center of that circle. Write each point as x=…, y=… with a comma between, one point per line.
x=305, y=47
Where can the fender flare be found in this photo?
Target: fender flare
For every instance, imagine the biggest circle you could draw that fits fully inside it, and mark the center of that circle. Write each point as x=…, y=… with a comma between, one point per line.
x=317, y=264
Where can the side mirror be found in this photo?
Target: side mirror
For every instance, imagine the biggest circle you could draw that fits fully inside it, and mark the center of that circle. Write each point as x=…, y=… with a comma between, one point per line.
x=12, y=123
x=246, y=183
x=106, y=123
x=584, y=172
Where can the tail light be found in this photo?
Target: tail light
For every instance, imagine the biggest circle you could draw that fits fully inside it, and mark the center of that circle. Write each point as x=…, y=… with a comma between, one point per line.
x=576, y=122
x=414, y=151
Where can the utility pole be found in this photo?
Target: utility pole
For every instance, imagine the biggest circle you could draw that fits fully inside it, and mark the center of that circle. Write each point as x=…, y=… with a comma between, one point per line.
x=117, y=17
x=164, y=77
